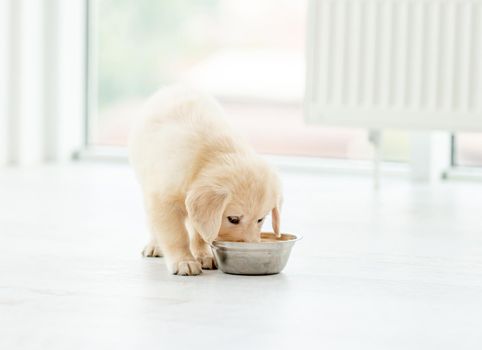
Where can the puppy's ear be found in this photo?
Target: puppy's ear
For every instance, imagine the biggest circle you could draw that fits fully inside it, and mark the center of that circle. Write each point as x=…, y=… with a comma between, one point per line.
x=275, y=220
x=205, y=207
x=275, y=217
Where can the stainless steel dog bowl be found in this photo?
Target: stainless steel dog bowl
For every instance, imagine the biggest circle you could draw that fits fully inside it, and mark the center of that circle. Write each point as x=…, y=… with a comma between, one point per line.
x=264, y=258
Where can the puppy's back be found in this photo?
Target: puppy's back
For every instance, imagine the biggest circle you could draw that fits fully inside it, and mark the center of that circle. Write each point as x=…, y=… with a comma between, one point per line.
x=175, y=132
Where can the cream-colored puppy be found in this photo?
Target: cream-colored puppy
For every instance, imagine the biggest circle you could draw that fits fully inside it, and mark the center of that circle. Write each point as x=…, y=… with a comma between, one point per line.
x=200, y=181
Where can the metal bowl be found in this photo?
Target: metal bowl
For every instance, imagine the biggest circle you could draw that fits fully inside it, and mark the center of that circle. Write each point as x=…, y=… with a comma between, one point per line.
x=264, y=258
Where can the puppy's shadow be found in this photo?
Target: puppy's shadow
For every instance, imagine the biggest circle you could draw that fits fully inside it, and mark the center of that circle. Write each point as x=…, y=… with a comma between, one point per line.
x=280, y=281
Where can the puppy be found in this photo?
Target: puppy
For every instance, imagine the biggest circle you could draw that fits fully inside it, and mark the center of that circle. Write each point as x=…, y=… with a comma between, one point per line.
x=200, y=181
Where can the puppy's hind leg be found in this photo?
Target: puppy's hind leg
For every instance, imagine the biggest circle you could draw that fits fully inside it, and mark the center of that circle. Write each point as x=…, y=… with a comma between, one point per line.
x=152, y=249
x=167, y=222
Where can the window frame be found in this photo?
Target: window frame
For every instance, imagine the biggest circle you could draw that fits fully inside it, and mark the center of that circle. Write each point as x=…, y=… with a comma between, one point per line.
x=90, y=93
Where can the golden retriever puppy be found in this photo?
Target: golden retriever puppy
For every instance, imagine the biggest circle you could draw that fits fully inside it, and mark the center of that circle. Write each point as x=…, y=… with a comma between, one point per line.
x=200, y=181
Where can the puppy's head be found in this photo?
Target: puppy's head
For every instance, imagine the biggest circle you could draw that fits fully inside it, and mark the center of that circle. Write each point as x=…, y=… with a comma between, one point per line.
x=231, y=201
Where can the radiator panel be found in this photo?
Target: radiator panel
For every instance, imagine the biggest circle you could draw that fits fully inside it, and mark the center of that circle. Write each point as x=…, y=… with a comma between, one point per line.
x=395, y=63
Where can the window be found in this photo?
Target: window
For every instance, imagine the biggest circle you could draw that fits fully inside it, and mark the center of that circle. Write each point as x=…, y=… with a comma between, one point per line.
x=467, y=149
x=249, y=54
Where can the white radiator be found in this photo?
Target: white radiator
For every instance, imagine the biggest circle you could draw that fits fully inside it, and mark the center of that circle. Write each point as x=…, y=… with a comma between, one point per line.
x=395, y=63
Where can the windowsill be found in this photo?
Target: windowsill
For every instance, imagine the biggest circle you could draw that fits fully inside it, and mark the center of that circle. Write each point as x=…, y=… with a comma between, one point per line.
x=463, y=174
x=287, y=163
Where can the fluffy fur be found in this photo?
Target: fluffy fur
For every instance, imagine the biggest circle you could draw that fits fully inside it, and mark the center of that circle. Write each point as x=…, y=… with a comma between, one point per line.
x=195, y=172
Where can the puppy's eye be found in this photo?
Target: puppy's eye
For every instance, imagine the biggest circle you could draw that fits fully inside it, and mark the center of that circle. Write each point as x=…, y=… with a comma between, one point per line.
x=260, y=220
x=233, y=219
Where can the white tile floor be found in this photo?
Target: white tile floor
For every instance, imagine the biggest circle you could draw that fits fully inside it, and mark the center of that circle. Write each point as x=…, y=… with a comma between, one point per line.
x=398, y=269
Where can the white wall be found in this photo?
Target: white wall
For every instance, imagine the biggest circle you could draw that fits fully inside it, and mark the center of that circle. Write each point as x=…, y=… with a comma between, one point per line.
x=4, y=34
x=28, y=132
x=42, y=97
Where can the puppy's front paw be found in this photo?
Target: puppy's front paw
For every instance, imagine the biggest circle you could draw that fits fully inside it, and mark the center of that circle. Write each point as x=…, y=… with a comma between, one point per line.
x=207, y=262
x=186, y=268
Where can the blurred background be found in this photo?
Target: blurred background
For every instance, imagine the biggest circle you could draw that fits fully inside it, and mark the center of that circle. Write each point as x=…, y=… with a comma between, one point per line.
x=225, y=47
x=127, y=49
